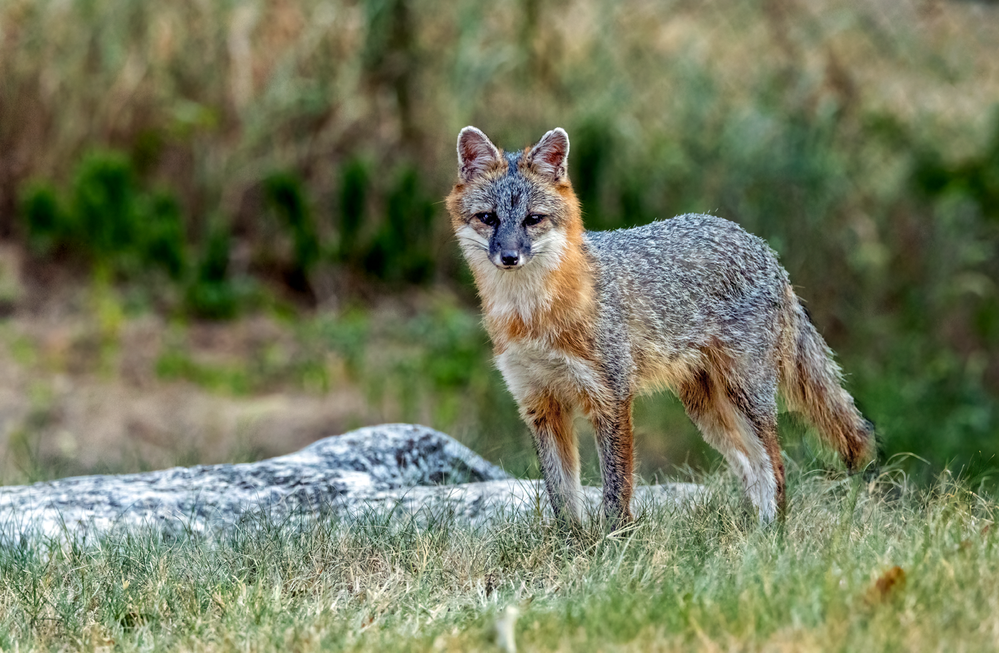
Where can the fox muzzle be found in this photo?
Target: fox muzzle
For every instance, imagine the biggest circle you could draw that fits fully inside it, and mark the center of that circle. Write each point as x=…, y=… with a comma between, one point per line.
x=509, y=247
x=508, y=259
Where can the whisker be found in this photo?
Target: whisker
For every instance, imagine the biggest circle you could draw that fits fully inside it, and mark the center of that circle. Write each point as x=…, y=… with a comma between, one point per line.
x=479, y=247
x=475, y=243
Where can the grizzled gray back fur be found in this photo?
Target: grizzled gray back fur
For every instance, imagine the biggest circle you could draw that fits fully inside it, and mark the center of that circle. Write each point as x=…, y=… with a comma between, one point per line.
x=703, y=282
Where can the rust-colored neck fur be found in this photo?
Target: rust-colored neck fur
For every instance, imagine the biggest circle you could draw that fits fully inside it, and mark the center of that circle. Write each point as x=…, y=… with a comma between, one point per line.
x=566, y=319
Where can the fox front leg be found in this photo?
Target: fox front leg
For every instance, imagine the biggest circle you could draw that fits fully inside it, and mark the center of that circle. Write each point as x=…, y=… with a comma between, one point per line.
x=615, y=444
x=550, y=421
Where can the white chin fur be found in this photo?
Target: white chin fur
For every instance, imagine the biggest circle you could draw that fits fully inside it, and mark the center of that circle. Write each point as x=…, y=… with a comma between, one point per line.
x=518, y=291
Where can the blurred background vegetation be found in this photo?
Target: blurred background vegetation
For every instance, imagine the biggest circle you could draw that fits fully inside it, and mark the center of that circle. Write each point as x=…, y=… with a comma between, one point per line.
x=238, y=205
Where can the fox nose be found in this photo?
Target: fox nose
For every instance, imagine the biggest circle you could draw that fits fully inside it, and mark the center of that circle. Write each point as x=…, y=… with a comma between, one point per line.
x=509, y=257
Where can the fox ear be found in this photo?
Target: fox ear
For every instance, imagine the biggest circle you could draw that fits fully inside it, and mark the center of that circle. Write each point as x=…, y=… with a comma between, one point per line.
x=550, y=155
x=475, y=153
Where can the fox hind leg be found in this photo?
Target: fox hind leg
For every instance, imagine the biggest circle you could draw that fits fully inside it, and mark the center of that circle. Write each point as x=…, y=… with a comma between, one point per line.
x=742, y=426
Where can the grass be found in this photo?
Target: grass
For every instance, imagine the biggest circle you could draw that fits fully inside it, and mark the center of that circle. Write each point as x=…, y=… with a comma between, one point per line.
x=249, y=157
x=857, y=566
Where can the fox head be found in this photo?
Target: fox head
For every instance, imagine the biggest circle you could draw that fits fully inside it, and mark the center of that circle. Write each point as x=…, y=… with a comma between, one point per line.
x=513, y=211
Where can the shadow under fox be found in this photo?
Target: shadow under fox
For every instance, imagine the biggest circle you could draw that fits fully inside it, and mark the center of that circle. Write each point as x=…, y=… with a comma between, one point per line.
x=584, y=320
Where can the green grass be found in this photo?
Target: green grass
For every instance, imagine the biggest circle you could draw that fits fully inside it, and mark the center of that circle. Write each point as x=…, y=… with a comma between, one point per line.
x=705, y=578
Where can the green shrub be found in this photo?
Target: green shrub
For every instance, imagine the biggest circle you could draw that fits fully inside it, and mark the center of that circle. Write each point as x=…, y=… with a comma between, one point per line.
x=108, y=220
x=211, y=293
x=353, y=198
x=47, y=223
x=285, y=195
x=402, y=251
x=976, y=177
x=164, y=245
x=104, y=201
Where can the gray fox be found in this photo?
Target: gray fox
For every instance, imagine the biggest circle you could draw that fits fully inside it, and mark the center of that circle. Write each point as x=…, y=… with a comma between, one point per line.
x=584, y=320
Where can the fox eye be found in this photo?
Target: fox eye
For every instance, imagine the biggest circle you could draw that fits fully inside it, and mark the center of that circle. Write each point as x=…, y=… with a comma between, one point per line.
x=533, y=219
x=488, y=218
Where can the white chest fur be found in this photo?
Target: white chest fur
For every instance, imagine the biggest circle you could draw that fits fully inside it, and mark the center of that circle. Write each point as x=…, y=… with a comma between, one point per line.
x=531, y=367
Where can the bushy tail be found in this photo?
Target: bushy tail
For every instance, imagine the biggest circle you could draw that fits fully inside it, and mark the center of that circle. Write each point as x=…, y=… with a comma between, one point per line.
x=812, y=384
